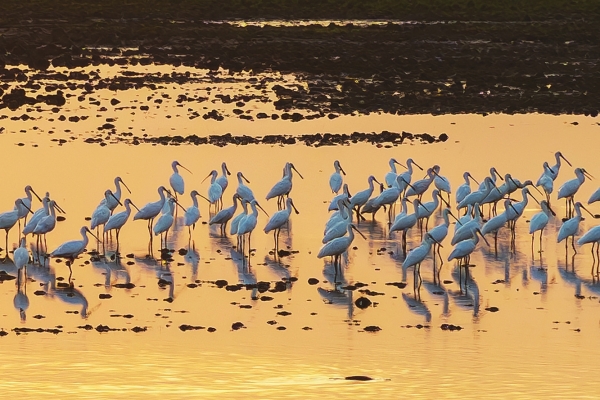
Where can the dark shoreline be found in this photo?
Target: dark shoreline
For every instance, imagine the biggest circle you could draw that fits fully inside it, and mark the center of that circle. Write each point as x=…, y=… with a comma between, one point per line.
x=547, y=66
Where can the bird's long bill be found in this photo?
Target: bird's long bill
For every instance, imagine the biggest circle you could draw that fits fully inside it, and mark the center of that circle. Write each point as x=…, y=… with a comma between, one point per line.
x=36, y=195
x=59, y=208
x=341, y=169
x=227, y=170
x=513, y=181
x=551, y=210
x=589, y=212
x=28, y=209
x=180, y=206
x=497, y=188
x=535, y=187
x=207, y=176
x=474, y=180
x=126, y=187
x=294, y=206
x=550, y=169
x=206, y=198
x=114, y=197
x=359, y=232
x=134, y=206
x=567, y=161
x=263, y=210
x=246, y=179
x=299, y=174
x=186, y=169
x=498, y=174
x=434, y=241
x=483, y=237
x=403, y=180
x=418, y=166
x=402, y=165
x=375, y=179
x=444, y=200
x=422, y=205
x=514, y=209
x=587, y=174
x=530, y=195
x=92, y=233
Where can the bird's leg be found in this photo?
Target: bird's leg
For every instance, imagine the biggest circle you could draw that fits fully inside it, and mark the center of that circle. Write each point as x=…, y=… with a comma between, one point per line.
x=404, y=242
x=532, y=236
x=541, y=234
x=117, y=234
x=6, y=248
x=573, y=243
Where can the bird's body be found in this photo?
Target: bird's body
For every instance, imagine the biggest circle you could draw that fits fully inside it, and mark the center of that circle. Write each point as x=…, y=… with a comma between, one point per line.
x=333, y=205
x=407, y=175
x=360, y=198
x=478, y=196
x=233, y=228
x=215, y=190
x=594, y=197
x=280, y=217
x=166, y=220
x=406, y=221
x=284, y=186
x=24, y=208
x=591, y=236
x=102, y=213
x=421, y=186
x=465, y=248
x=37, y=215
x=246, y=225
x=569, y=188
x=391, y=176
x=151, y=210
x=116, y=221
x=223, y=216
x=73, y=248
x=113, y=201
x=497, y=222
x=339, y=245
x=571, y=226
x=242, y=190
x=464, y=189
x=468, y=229
x=222, y=180
x=176, y=181
x=552, y=172
x=441, y=183
x=192, y=214
x=21, y=255
x=418, y=254
x=440, y=232
x=336, y=180
x=47, y=223
x=8, y=219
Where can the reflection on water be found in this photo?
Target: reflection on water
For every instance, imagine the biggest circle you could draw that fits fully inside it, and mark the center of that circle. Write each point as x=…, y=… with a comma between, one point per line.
x=529, y=321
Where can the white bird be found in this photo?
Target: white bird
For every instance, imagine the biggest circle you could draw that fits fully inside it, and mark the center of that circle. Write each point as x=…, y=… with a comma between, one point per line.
x=417, y=255
x=592, y=236
x=113, y=201
x=594, y=197
x=441, y=183
x=519, y=207
x=465, y=218
x=335, y=180
x=25, y=209
x=192, y=214
x=165, y=221
x=37, y=215
x=222, y=180
x=242, y=190
x=339, y=245
x=284, y=186
x=426, y=209
x=279, y=219
x=342, y=213
x=493, y=175
x=421, y=186
x=463, y=249
x=8, y=219
x=467, y=230
x=439, y=232
x=21, y=256
x=340, y=226
x=247, y=225
x=539, y=221
x=552, y=172
x=46, y=224
x=223, y=216
x=494, y=224
x=73, y=248
x=405, y=223
x=407, y=175
x=333, y=205
x=360, y=198
x=391, y=176
x=546, y=181
x=102, y=213
x=151, y=210
x=570, y=188
x=215, y=190
x=479, y=195
x=176, y=181
x=464, y=189
x=571, y=226
x=233, y=228
x=390, y=196
x=116, y=221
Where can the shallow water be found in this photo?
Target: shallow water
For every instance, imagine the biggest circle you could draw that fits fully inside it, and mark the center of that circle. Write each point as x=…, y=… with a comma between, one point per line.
x=541, y=342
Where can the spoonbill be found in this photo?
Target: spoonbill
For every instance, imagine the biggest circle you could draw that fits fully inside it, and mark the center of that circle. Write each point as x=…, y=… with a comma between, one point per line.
x=462, y=252
x=116, y=221
x=464, y=189
x=46, y=224
x=539, y=221
x=591, y=236
x=8, y=219
x=335, y=180
x=407, y=175
x=439, y=232
x=73, y=248
x=570, y=188
x=244, y=191
x=391, y=176
x=151, y=210
x=115, y=200
x=441, y=183
x=284, y=186
x=333, y=205
x=176, y=181
x=21, y=257
x=247, y=225
x=339, y=245
x=417, y=255
x=102, y=213
x=571, y=226
x=215, y=190
x=223, y=216
x=493, y=175
x=360, y=198
x=165, y=221
x=25, y=208
x=279, y=219
x=192, y=214
x=222, y=180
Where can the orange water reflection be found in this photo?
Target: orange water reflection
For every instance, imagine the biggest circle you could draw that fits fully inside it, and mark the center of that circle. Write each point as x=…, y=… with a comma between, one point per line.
x=530, y=348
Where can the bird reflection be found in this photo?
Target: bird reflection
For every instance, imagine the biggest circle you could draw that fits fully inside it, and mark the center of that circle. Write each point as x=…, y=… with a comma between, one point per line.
x=439, y=290
x=417, y=306
x=192, y=257
x=67, y=293
x=21, y=301
x=162, y=272
x=468, y=295
x=112, y=269
x=338, y=297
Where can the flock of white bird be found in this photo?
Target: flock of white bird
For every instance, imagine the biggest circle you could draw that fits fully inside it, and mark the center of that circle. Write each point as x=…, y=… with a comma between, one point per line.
x=339, y=229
